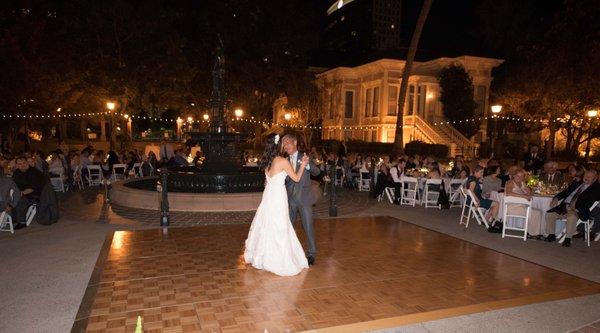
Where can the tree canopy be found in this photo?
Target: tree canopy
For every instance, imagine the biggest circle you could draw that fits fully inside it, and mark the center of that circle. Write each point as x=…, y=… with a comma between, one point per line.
x=456, y=95
x=552, y=65
x=149, y=55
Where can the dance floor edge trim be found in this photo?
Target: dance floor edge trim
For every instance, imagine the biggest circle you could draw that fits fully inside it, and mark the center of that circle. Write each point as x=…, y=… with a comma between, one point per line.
x=422, y=317
x=83, y=314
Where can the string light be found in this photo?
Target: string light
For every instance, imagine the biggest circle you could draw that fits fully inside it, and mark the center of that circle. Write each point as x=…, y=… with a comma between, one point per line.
x=268, y=123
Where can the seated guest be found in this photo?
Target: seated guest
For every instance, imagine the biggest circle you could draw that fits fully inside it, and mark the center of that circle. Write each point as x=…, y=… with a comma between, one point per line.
x=8, y=203
x=152, y=160
x=571, y=170
x=575, y=175
x=474, y=184
x=575, y=203
x=490, y=181
x=459, y=165
x=146, y=168
x=30, y=181
x=180, y=159
x=462, y=175
x=508, y=174
x=516, y=187
x=384, y=179
x=551, y=175
x=434, y=171
x=411, y=164
x=198, y=159
x=397, y=171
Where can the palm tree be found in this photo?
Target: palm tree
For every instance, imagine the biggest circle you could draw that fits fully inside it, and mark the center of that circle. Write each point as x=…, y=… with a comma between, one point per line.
x=412, y=49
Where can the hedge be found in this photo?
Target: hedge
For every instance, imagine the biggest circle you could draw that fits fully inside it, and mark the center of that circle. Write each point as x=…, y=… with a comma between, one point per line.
x=411, y=148
x=426, y=149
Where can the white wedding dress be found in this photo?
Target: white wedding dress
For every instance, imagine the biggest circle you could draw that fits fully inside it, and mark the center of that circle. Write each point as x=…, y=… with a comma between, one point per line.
x=272, y=244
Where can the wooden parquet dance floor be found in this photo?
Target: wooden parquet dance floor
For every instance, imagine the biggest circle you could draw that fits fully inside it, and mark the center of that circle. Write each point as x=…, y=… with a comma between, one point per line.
x=370, y=273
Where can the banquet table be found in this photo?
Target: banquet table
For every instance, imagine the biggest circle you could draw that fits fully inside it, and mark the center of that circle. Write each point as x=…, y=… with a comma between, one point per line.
x=541, y=202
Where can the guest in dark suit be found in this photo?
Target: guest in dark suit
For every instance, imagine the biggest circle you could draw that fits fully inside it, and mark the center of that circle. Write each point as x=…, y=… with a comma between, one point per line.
x=575, y=203
x=30, y=181
x=533, y=160
x=551, y=175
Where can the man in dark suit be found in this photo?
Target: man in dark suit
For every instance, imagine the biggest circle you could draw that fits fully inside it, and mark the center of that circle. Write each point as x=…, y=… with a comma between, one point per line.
x=575, y=203
x=300, y=196
x=551, y=175
x=533, y=160
x=30, y=181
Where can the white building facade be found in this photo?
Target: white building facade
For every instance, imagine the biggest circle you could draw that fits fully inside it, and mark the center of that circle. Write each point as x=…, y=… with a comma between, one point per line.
x=361, y=103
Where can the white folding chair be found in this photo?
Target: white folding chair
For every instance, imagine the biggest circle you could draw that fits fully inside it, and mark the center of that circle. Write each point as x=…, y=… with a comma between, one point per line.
x=388, y=192
x=473, y=209
x=77, y=177
x=588, y=224
x=57, y=179
x=364, y=181
x=6, y=223
x=456, y=197
x=430, y=195
x=31, y=211
x=410, y=191
x=137, y=170
x=118, y=172
x=513, y=223
x=94, y=175
x=587, y=227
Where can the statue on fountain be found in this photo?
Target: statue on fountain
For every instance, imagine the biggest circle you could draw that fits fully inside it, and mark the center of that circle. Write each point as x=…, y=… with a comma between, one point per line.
x=219, y=145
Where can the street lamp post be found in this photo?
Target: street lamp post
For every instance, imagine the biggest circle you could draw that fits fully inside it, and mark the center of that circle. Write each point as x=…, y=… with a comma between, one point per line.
x=111, y=107
x=495, y=111
x=592, y=114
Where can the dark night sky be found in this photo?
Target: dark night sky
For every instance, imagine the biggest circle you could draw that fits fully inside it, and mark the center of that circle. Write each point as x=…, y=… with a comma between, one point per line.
x=451, y=29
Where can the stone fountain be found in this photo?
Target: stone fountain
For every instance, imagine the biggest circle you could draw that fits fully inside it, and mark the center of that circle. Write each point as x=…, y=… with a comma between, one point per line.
x=221, y=183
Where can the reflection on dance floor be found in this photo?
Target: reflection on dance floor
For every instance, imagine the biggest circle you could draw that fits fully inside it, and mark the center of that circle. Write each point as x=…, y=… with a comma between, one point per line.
x=370, y=273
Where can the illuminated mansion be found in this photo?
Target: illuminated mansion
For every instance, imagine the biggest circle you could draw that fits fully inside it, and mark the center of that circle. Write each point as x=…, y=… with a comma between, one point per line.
x=361, y=103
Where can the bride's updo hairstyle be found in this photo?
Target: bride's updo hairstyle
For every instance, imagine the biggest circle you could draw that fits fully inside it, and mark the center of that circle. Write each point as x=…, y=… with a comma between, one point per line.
x=272, y=150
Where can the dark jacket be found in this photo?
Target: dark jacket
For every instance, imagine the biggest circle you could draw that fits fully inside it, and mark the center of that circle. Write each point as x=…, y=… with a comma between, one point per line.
x=585, y=200
x=47, y=209
x=533, y=164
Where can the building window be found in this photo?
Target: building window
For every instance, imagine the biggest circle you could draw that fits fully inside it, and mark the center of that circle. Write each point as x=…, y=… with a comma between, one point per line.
x=366, y=136
x=393, y=101
x=374, y=136
x=411, y=99
x=391, y=135
x=368, y=97
x=349, y=104
x=421, y=93
x=375, y=102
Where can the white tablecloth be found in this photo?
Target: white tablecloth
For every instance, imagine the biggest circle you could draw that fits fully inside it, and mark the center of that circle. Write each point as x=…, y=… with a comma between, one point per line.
x=538, y=202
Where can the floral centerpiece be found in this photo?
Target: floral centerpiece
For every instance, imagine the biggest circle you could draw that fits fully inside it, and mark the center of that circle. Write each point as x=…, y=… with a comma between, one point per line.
x=533, y=182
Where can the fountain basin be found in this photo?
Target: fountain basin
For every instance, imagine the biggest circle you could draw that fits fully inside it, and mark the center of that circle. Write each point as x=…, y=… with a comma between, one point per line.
x=195, y=180
x=123, y=195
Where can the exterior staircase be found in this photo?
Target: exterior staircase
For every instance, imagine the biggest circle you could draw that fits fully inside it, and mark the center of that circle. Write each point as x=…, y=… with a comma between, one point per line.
x=418, y=129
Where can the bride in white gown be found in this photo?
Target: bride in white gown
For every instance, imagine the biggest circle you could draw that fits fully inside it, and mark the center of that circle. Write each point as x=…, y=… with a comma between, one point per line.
x=272, y=244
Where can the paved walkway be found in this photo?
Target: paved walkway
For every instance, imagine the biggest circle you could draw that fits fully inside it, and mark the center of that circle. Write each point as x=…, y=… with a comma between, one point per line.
x=45, y=269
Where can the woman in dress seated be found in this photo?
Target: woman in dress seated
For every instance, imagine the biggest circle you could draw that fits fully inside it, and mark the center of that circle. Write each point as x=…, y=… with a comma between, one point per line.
x=474, y=184
x=516, y=187
x=491, y=182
